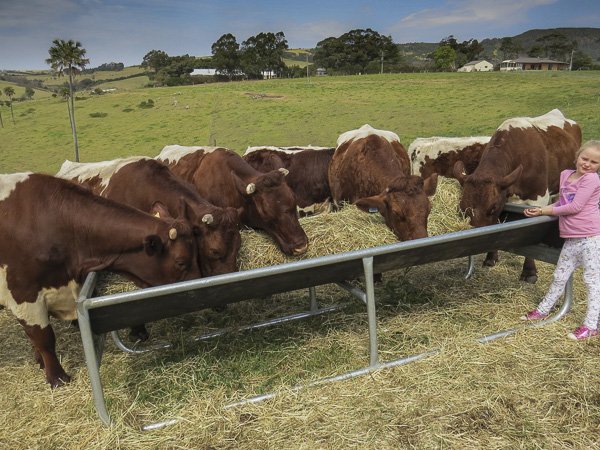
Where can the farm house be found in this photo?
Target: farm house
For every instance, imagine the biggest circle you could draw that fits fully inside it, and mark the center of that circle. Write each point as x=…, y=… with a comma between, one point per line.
x=477, y=66
x=510, y=65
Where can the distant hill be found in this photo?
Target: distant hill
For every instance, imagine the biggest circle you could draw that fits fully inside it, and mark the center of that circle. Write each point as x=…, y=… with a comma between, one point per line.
x=588, y=40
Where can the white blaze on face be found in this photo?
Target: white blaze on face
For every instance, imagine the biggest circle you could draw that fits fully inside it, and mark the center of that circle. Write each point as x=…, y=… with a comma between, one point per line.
x=554, y=118
x=86, y=171
x=433, y=147
x=173, y=153
x=364, y=131
x=60, y=303
x=9, y=182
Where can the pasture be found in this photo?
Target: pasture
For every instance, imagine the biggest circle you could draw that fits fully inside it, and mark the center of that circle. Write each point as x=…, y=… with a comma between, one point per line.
x=535, y=389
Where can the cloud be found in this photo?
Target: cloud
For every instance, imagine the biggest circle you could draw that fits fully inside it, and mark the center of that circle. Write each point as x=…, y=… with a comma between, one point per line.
x=492, y=14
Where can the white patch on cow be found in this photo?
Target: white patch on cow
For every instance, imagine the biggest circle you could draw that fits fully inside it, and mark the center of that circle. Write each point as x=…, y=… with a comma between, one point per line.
x=435, y=146
x=60, y=303
x=288, y=150
x=540, y=201
x=173, y=153
x=104, y=170
x=554, y=118
x=363, y=132
x=8, y=183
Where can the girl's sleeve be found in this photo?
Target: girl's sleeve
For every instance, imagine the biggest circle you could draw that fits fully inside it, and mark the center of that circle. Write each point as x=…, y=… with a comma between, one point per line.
x=587, y=186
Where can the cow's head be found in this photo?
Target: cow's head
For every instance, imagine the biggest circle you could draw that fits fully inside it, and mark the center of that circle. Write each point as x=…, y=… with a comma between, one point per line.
x=404, y=205
x=168, y=253
x=218, y=238
x=484, y=195
x=271, y=205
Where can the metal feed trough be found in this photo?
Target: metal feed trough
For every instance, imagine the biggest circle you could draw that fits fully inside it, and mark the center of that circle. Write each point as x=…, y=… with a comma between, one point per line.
x=101, y=315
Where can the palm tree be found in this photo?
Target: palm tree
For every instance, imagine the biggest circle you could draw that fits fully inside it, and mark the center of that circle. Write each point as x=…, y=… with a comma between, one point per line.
x=69, y=56
x=9, y=92
x=1, y=123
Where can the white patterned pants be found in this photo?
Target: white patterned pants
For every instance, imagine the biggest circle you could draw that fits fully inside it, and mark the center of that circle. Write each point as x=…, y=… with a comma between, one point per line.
x=577, y=252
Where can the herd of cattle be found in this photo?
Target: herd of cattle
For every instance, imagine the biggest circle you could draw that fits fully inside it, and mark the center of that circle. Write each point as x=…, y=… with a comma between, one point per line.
x=177, y=216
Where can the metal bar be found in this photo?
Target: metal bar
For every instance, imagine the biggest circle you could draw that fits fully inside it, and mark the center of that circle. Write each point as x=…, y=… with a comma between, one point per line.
x=566, y=305
x=303, y=315
x=471, y=267
x=371, y=312
x=92, y=348
x=353, y=290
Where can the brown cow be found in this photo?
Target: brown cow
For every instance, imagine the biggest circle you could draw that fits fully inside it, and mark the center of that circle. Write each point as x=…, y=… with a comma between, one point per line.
x=371, y=169
x=307, y=166
x=440, y=154
x=223, y=178
x=54, y=232
x=140, y=181
x=522, y=163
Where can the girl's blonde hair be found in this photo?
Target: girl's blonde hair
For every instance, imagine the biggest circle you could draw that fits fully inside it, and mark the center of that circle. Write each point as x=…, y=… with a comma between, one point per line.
x=589, y=144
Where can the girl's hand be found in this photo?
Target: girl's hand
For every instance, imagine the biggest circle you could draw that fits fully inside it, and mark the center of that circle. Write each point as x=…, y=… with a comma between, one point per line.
x=533, y=212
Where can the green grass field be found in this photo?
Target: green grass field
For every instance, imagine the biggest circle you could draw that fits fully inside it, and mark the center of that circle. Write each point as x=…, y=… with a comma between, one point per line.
x=291, y=112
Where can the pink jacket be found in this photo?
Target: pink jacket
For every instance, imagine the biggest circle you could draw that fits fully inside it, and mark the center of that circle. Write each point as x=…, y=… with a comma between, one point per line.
x=577, y=206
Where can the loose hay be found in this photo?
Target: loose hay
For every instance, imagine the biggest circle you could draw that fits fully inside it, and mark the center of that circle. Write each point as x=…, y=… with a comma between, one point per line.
x=351, y=229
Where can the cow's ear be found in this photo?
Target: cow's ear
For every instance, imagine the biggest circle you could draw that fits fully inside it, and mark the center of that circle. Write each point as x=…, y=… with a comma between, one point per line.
x=159, y=209
x=153, y=245
x=430, y=184
x=371, y=205
x=459, y=172
x=242, y=188
x=511, y=178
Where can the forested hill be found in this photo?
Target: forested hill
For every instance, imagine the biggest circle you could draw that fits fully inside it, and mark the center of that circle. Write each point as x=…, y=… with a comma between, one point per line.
x=588, y=40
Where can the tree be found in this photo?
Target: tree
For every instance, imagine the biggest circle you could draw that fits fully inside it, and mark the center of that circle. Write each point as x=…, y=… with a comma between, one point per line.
x=155, y=59
x=263, y=53
x=9, y=92
x=29, y=92
x=226, y=56
x=68, y=56
x=1, y=122
x=556, y=46
x=510, y=49
x=357, y=51
x=582, y=60
x=444, y=57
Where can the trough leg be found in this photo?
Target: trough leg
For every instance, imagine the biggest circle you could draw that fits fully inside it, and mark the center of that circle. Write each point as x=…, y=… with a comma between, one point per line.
x=371, y=313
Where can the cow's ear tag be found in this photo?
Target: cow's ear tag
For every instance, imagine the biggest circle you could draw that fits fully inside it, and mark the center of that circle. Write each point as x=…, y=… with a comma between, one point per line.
x=464, y=173
x=373, y=210
x=157, y=214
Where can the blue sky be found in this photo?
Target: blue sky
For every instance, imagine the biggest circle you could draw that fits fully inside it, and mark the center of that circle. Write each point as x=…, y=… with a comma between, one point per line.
x=125, y=30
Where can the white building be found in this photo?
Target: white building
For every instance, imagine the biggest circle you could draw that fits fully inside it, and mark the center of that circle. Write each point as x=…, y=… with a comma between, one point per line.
x=480, y=65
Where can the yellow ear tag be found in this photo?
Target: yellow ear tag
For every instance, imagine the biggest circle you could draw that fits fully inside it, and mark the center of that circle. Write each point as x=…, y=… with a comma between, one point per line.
x=157, y=214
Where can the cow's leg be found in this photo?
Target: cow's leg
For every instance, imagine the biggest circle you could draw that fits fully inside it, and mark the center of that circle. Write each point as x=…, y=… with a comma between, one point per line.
x=529, y=273
x=491, y=259
x=44, y=342
x=139, y=333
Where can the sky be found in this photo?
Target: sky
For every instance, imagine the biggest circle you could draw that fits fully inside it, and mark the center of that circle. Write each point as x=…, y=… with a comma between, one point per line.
x=126, y=30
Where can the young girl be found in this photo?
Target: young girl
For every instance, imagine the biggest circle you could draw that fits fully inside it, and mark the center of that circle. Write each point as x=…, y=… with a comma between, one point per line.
x=579, y=224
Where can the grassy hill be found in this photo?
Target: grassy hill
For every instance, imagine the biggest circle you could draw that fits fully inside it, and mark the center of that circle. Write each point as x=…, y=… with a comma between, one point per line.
x=286, y=113
x=588, y=40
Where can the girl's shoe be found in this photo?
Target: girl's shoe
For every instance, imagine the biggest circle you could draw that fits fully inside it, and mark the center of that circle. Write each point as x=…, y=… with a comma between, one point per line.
x=582, y=332
x=534, y=315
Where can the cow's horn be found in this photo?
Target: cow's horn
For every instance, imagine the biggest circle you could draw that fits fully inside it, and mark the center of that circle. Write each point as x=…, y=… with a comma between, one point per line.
x=207, y=219
x=172, y=234
x=250, y=188
x=284, y=171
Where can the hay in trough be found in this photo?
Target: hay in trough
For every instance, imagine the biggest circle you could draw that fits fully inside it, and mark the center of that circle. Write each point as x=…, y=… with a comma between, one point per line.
x=345, y=230
x=351, y=229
